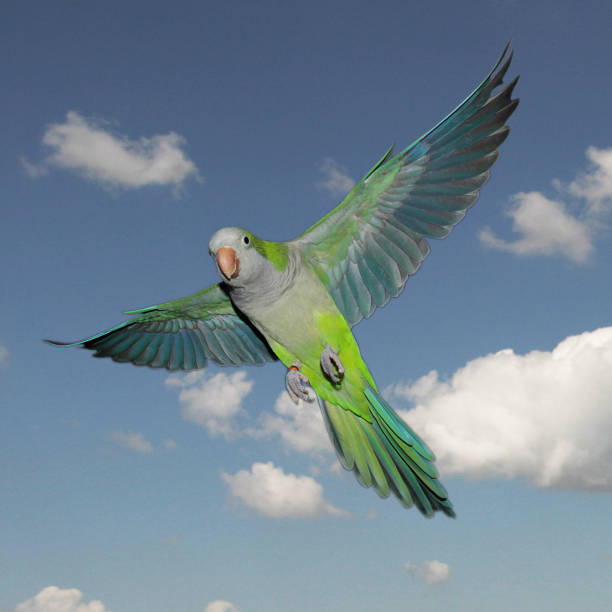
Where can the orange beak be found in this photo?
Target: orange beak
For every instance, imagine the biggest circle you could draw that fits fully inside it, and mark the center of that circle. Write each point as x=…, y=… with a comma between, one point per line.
x=228, y=262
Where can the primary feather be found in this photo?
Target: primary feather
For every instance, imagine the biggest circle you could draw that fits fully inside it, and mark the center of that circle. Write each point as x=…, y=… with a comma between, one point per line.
x=182, y=335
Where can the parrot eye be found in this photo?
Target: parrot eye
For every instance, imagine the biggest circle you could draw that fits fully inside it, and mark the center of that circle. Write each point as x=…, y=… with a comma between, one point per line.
x=246, y=240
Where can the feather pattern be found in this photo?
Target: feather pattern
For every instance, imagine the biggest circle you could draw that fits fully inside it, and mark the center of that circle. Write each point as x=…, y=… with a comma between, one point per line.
x=375, y=238
x=182, y=335
x=386, y=454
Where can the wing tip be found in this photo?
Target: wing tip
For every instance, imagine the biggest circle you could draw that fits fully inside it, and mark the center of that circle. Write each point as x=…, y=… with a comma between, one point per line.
x=506, y=51
x=139, y=310
x=61, y=344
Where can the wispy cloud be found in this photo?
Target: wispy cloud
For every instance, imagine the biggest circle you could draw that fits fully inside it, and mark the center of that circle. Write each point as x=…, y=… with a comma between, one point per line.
x=336, y=182
x=133, y=441
x=430, y=572
x=595, y=185
x=272, y=493
x=544, y=416
x=55, y=599
x=212, y=402
x=34, y=170
x=91, y=149
x=299, y=426
x=547, y=227
x=175, y=539
x=220, y=606
x=3, y=354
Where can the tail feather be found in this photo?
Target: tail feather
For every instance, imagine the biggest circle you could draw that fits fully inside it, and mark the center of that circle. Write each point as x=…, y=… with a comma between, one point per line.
x=386, y=454
x=384, y=412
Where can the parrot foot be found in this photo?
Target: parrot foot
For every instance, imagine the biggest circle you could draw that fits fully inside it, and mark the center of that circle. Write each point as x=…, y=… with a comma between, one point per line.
x=298, y=385
x=331, y=365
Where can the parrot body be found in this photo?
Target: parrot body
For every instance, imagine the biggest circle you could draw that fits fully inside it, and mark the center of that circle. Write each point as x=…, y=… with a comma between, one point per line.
x=298, y=317
x=297, y=301
x=293, y=310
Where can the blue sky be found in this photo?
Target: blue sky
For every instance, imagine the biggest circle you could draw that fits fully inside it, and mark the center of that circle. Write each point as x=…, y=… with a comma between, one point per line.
x=132, y=131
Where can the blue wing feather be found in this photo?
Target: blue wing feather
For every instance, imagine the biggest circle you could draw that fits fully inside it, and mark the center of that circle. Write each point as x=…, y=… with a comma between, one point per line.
x=182, y=334
x=423, y=191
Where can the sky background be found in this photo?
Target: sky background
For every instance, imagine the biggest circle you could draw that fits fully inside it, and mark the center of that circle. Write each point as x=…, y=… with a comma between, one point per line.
x=134, y=130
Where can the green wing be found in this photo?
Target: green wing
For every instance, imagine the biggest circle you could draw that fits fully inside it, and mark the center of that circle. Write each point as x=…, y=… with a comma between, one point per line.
x=182, y=335
x=365, y=249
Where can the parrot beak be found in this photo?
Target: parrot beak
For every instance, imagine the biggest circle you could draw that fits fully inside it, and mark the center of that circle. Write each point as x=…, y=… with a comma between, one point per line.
x=228, y=262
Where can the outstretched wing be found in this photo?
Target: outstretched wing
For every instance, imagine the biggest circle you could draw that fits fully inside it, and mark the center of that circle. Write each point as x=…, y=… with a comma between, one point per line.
x=365, y=249
x=182, y=335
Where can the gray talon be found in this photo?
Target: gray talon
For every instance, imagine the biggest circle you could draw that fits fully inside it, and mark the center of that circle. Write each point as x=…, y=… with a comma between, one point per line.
x=331, y=365
x=298, y=385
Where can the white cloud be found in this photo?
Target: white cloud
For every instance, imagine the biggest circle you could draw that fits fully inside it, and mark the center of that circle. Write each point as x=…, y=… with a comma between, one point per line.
x=337, y=182
x=54, y=599
x=544, y=416
x=93, y=151
x=214, y=402
x=431, y=572
x=546, y=228
x=595, y=186
x=3, y=355
x=300, y=426
x=220, y=606
x=133, y=440
x=170, y=444
x=271, y=492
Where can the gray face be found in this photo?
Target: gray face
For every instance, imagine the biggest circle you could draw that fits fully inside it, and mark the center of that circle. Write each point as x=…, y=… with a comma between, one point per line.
x=236, y=260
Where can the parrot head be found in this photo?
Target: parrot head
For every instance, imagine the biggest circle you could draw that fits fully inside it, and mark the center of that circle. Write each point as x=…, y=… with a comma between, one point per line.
x=237, y=261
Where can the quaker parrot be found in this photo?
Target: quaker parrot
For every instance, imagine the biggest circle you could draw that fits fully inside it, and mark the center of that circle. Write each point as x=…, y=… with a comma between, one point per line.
x=297, y=301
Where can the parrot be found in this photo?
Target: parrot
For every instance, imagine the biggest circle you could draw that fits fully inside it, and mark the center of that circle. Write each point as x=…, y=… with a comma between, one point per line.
x=297, y=301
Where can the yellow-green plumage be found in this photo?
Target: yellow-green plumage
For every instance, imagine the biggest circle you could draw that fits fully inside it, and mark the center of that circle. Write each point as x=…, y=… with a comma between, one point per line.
x=276, y=252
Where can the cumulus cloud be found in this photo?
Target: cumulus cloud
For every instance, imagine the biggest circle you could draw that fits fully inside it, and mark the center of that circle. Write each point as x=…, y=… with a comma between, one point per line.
x=547, y=227
x=299, y=426
x=220, y=606
x=272, y=493
x=55, y=599
x=91, y=149
x=544, y=416
x=430, y=572
x=212, y=402
x=336, y=182
x=133, y=440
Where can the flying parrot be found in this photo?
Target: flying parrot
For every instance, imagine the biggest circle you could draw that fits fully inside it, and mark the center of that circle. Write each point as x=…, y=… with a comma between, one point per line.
x=297, y=301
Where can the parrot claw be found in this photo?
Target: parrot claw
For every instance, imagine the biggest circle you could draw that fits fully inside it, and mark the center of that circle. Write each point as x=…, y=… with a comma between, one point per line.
x=298, y=385
x=331, y=365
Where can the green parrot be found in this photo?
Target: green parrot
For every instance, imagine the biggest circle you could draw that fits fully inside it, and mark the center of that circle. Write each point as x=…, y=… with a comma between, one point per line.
x=297, y=301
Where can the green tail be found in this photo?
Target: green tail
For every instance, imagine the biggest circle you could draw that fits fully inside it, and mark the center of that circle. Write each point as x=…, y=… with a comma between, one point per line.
x=386, y=454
